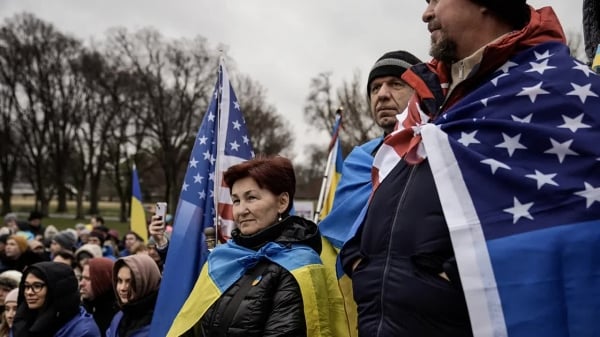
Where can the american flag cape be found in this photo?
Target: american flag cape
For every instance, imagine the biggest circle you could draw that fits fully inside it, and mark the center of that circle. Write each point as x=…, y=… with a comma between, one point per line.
x=222, y=141
x=516, y=164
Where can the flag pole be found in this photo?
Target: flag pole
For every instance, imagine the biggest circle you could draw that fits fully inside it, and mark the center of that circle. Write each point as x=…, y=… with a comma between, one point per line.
x=217, y=179
x=325, y=182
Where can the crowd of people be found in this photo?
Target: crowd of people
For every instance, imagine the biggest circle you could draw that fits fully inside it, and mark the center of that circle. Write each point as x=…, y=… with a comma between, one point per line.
x=81, y=281
x=430, y=252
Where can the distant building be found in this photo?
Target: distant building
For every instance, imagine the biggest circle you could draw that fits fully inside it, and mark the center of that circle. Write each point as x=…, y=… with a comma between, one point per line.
x=21, y=189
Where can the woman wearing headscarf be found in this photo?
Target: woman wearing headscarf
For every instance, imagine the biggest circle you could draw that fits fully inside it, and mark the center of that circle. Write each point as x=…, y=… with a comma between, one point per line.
x=136, y=279
x=268, y=280
x=10, y=309
x=49, y=304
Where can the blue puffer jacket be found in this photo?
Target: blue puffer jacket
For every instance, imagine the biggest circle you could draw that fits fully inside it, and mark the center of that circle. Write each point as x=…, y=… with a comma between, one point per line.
x=82, y=325
x=114, y=327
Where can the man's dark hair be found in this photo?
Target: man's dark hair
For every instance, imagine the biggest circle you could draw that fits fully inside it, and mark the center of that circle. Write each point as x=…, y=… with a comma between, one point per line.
x=67, y=255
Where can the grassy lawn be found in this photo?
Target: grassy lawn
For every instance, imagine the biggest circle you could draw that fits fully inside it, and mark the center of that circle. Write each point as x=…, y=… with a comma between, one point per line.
x=108, y=210
x=62, y=223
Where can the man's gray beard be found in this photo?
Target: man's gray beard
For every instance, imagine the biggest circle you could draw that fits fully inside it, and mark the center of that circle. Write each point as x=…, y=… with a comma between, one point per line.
x=444, y=50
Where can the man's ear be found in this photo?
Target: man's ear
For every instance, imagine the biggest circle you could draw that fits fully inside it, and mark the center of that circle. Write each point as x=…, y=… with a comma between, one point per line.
x=284, y=202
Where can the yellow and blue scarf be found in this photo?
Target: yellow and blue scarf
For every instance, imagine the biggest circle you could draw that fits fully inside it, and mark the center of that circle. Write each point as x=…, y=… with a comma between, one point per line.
x=227, y=263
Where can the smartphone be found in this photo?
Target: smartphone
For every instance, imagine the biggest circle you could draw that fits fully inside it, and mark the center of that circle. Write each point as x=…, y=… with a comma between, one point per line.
x=161, y=209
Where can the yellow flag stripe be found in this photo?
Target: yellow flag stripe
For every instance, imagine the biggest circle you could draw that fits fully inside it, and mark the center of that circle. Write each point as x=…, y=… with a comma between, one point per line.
x=204, y=294
x=138, y=219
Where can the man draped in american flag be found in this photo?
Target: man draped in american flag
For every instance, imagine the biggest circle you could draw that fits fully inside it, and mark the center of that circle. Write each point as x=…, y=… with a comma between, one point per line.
x=484, y=220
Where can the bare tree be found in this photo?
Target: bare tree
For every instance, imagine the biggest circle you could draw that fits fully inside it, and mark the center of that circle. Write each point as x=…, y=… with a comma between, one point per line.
x=175, y=79
x=309, y=174
x=108, y=88
x=320, y=109
x=358, y=121
x=269, y=133
x=46, y=91
x=10, y=154
x=322, y=105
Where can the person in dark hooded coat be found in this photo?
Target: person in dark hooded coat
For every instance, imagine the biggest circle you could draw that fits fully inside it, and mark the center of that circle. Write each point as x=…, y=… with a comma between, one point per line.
x=48, y=304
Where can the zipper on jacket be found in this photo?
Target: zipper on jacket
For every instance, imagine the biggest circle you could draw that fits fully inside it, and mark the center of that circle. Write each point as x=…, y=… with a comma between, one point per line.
x=387, y=258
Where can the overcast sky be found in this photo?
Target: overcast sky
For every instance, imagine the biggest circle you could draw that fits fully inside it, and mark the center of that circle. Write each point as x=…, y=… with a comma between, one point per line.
x=280, y=43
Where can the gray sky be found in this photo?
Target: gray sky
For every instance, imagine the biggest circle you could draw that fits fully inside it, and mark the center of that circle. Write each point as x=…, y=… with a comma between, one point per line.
x=281, y=44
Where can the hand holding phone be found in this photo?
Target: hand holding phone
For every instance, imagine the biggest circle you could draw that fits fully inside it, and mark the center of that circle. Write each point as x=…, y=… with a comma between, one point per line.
x=161, y=210
x=157, y=226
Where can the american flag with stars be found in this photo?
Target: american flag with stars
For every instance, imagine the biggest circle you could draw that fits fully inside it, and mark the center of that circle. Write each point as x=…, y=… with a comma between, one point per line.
x=516, y=163
x=213, y=153
x=222, y=141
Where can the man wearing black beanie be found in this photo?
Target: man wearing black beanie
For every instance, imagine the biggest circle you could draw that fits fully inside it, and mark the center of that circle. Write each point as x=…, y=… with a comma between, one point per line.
x=387, y=95
x=484, y=216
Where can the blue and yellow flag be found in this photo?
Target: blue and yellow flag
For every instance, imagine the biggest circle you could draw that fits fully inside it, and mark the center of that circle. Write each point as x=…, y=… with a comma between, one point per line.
x=351, y=195
x=334, y=171
x=596, y=61
x=137, y=219
x=229, y=261
x=349, y=206
x=340, y=285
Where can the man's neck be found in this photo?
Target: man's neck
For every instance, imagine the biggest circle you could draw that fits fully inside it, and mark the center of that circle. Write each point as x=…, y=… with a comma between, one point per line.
x=461, y=69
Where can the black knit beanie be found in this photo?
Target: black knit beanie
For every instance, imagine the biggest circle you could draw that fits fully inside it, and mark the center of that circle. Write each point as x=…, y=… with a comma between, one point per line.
x=591, y=27
x=392, y=63
x=514, y=12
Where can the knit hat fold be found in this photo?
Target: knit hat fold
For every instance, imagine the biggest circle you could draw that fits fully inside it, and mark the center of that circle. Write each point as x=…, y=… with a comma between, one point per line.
x=66, y=240
x=12, y=296
x=392, y=63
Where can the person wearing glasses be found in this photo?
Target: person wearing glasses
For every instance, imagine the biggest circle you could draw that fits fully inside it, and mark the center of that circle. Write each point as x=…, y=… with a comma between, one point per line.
x=49, y=304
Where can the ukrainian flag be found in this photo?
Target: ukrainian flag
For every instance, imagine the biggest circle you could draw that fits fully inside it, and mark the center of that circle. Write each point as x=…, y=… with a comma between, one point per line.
x=596, y=61
x=339, y=283
x=137, y=220
x=229, y=261
x=334, y=172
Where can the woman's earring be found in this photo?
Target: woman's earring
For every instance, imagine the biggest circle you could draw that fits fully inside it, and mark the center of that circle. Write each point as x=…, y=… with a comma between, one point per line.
x=278, y=216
